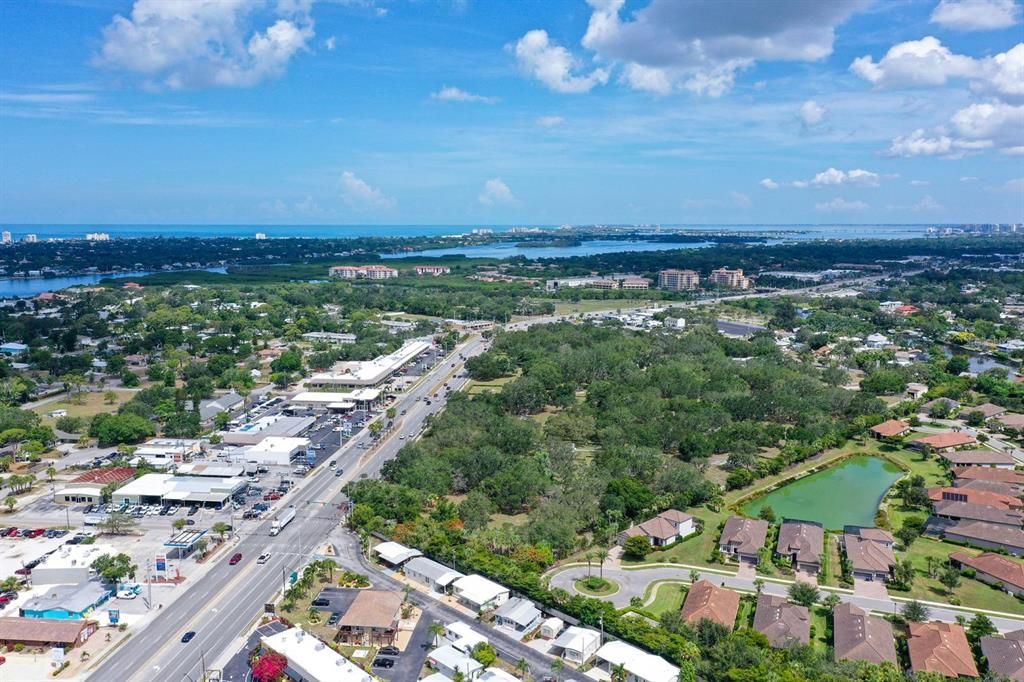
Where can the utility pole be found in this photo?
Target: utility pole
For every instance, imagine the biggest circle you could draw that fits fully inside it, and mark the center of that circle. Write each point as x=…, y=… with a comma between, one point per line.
x=149, y=579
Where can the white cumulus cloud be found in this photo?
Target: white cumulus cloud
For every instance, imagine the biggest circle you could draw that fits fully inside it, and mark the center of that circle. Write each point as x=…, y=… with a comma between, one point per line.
x=450, y=93
x=811, y=113
x=550, y=121
x=840, y=204
x=495, y=192
x=553, y=65
x=768, y=183
x=976, y=15
x=204, y=43
x=919, y=183
x=360, y=195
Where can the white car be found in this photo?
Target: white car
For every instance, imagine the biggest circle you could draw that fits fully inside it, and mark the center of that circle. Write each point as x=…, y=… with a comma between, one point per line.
x=126, y=594
x=264, y=558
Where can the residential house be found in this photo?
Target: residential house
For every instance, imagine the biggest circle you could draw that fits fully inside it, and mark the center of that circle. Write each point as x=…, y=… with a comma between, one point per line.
x=1012, y=478
x=453, y=663
x=965, y=511
x=664, y=529
x=994, y=569
x=877, y=340
x=208, y=409
x=45, y=633
x=708, y=601
x=974, y=495
x=551, y=627
x=869, y=550
x=394, y=554
x=803, y=543
x=943, y=442
x=947, y=404
x=437, y=577
x=940, y=648
x=858, y=636
x=891, y=428
x=781, y=622
x=479, y=593
x=1005, y=655
x=639, y=665
x=372, y=619
x=992, y=459
x=518, y=614
x=577, y=644
x=980, y=534
x=743, y=539
x=1011, y=420
x=987, y=410
x=916, y=391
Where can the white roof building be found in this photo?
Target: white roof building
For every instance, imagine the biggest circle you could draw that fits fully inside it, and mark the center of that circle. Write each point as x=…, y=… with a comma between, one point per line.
x=69, y=565
x=181, y=489
x=266, y=427
x=371, y=372
x=477, y=592
x=360, y=397
x=164, y=452
x=394, y=553
x=277, y=450
x=641, y=666
x=498, y=675
x=577, y=644
x=462, y=636
x=312, y=659
x=448, y=660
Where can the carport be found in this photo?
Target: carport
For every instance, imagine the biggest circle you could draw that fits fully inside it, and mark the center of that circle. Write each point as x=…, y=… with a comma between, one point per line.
x=184, y=542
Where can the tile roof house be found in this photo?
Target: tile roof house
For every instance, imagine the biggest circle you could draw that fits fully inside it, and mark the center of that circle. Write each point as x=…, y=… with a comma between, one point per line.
x=994, y=569
x=979, y=534
x=664, y=529
x=45, y=632
x=781, y=622
x=708, y=601
x=743, y=538
x=994, y=487
x=988, y=410
x=1014, y=478
x=870, y=552
x=979, y=458
x=892, y=428
x=372, y=618
x=965, y=511
x=1005, y=655
x=1011, y=420
x=940, y=648
x=803, y=542
x=999, y=500
x=945, y=441
x=858, y=636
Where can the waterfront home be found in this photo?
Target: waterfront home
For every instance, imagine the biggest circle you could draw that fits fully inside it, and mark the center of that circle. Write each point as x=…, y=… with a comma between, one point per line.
x=664, y=529
x=941, y=442
x=979, y=534
x=993, y=459
x=1005, y=476
x=940, y=648
x=891, y=428
x=858, y=636
x=972, y=495
x=803, y=543
x=994, y=569
x=1005, y=655
x=965, y=511
x=743, y=539
x=869, y=551
x=781, y=622
x=711, y=602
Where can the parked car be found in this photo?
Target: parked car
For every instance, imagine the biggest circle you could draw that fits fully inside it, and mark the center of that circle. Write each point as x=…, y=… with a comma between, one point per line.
x=321, y=602
x=388, y=651
x=383, y=663
x=335, y=617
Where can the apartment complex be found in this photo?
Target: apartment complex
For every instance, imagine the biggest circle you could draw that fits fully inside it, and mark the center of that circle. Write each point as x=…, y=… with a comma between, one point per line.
x=733, y=279
x=678, y=280
x=363, y=272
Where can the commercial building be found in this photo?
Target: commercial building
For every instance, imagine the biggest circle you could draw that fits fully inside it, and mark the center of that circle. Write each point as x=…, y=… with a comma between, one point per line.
x=69, y=565
x=276, y=450
x=707, y=601
x=45, y=633
x=311, y=660
x=679, y=280
x=264, y=427
x=187, y=490
x=940, y=648
x=363, y=272
x=67, y=602
x=372, y=372
x=581, y=283
x=214, y=470
x=733, y=279
x=743, y=539
x=782, y=623
x=639, y=665
x=13, y=348
x=372, y=619
x=858, y=636
x=165, y=452
x=88, y=487
x=479, y=593
x=334, y=401
x=634, y=284
x=336, y=338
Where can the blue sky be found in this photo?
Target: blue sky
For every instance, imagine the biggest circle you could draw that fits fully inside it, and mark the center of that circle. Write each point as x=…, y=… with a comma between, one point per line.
x=476, y=112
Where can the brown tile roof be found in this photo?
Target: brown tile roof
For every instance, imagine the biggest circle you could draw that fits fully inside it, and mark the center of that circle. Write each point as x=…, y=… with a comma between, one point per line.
x=980, y=457
x=998, y=566
x=988, y=532
x=104, y=476
x=978, y=512
x=1005, y=655
x=868, y=555
x=987, y=474
x=876, y=534
x=781, y=622
x=861, y=637
x=976, y=496
x=747, y=536
x=891, y=428
x=373, y=609
x=995, y=487
x=941, y=648
x=705, y=600
x=987, y=409
x=805, y=539
x=949, y=439
x=664, y=526
x=1012, y=420
x=51, y=630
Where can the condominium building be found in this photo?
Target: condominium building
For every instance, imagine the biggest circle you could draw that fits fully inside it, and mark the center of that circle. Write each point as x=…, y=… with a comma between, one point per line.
x=31, y=238
x=433, y=270
x=363, y=272
x=678, y=280
x=732, y=279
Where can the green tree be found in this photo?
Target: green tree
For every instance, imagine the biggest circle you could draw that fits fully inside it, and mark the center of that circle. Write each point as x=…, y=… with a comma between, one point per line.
x=636, y=547
x=766, y=513
x=915, y=611
x=437, y=630
x=109, y=397
x=10, y=502
x=51, y=473
x=115, y=568
x=221, y=529
x=118, y=523
x=831, y=601
x=523, y=668
x=803, y=593
x=950, y=578
x=557, y=666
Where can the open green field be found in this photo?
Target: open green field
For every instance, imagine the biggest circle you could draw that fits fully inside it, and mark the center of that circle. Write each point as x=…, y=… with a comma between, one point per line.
x=593, y=306
x=475, y=387
x=91, y=405
x=668, y=598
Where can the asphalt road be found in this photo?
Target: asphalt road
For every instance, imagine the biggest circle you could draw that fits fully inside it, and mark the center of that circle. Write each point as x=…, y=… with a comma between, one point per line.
x=226, y=601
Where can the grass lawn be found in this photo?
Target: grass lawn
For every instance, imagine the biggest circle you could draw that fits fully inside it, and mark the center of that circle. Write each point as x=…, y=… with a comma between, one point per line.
x=934, y=473
x=971, y=593
x=668, y=598
x=91, y=405
x=591, y=306
x=819, y=628
x=475, y=387
x=833, y=567
x=602, y=586
x=745, y=614
x=694, y=550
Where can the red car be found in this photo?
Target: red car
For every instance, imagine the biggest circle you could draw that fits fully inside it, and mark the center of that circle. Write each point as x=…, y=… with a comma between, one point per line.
x=272, y=496
x=9, y=532
x=37, y=532
x=235, y=559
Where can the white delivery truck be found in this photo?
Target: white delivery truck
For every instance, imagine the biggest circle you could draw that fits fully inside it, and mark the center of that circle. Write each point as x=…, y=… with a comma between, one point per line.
x=282, y=520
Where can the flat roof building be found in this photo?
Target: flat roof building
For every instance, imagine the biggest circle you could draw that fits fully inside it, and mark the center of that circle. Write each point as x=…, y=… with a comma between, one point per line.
x=360, y=398
x=311, y=660
x=164, y=452
x=188, y=490
x=265, y=427
x=370, y=373
x=275, y=450
x=70, y=564
x=678, y=280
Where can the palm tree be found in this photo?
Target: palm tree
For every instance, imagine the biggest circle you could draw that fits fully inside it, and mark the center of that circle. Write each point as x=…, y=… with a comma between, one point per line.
x=619, y=673
x=523, y=668
x=831, y=601
x=557, y=666
x=51, y=473
x=602, y=555
x=694, y=575
x=758, y=585
x=437, y=630
x=589, y=556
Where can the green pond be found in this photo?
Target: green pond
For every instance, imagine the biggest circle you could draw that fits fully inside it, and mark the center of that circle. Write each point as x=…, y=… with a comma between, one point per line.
x=847, y=494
